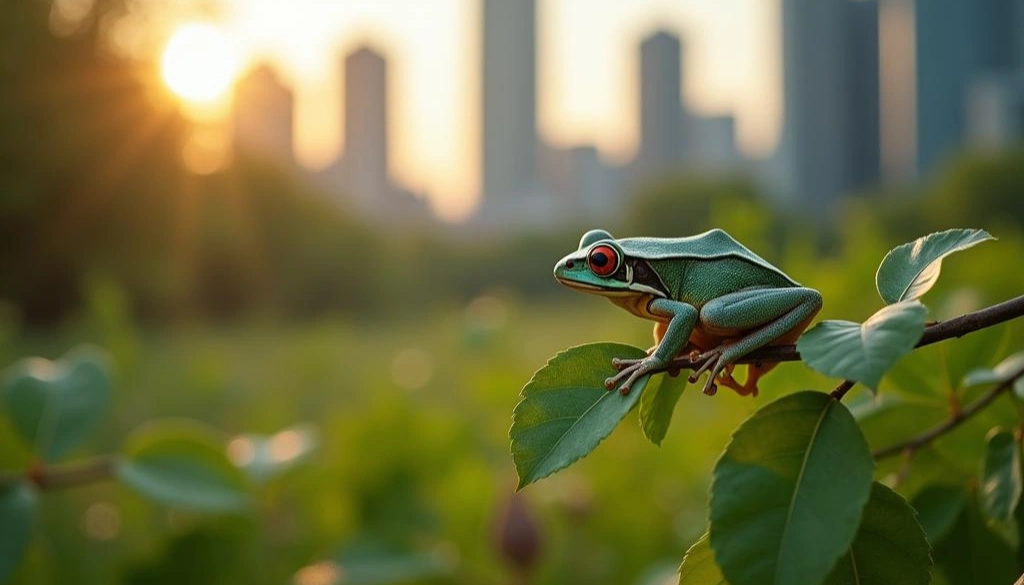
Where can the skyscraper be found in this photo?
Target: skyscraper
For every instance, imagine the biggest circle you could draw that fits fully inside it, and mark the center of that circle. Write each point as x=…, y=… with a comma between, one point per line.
x=663, y=131
x=366, y=126
x=830, y=138
x=957, y=42
x=262, y=115
x=509, y=102
x=863, y=95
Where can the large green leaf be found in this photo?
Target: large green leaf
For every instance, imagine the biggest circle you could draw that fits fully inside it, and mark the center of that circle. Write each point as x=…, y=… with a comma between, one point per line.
x=788, y=492
x=182, y=464
x=863, y=352
x=656, y=406
x=910, y=270
x=17, y=507
x=890, y=547
x=566, y=410
x=1001, y=486
x=938, y=508
x=55, y=404
x=1000, y=373
x=971, y=554
x=699, y=566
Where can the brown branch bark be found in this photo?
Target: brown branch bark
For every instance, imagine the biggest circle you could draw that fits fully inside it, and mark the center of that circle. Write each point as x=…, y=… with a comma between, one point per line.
x=47, y=478
x=956, y=327
x=916, y=442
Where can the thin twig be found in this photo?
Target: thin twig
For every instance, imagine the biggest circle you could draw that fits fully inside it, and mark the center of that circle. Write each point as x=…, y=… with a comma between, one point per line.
x=915, y=443
x=47, y=478
x=842, y=389
x=956, y=327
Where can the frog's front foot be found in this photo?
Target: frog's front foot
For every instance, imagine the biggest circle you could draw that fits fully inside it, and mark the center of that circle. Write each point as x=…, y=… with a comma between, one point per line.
x=631, y=370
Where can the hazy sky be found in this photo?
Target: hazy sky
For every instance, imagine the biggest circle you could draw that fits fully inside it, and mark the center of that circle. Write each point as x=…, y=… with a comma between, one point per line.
x=587, y=53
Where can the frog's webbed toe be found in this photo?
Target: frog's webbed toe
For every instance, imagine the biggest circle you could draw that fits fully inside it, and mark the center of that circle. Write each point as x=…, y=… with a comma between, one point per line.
x=630, y=371
x=621, y=363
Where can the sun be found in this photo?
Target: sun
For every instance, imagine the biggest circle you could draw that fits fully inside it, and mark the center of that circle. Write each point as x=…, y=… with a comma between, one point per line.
x=199, y=63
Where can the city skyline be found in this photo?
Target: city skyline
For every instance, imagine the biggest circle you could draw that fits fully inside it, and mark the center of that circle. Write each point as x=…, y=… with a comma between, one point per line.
x=435, y=103
x=831, y=140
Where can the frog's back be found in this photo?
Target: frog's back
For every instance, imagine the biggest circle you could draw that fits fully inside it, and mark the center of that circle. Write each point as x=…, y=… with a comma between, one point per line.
x=711, y=245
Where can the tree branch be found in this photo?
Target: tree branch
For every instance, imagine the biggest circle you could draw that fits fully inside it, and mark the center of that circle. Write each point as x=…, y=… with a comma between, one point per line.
x=66, y=476
x=956, y=327
x=915, y=443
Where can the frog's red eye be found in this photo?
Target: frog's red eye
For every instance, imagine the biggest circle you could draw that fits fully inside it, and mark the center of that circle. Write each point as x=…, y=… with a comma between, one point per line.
x=603, y=260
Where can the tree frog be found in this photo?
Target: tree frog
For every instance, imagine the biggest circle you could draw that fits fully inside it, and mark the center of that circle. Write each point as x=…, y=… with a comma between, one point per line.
x=709, y=296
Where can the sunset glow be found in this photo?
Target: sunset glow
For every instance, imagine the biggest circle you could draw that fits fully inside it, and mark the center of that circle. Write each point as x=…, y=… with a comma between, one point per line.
x=199, y=63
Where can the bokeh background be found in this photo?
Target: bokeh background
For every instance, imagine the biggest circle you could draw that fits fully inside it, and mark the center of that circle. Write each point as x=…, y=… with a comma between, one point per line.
x=342, y=218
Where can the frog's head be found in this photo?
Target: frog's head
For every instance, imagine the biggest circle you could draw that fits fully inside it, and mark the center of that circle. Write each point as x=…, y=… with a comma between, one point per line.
x=598, y=266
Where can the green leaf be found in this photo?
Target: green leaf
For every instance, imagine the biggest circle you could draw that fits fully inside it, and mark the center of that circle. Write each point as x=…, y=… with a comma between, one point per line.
x=182, y=464
x=17, y=507
x=788, y=492
x=1000, y=373
x=55, y=404
x=657, y=404
x=938, y=508
x=699, y=566
x=566, y=411
x=910, y=270
x=864, y=352
x=890, y=547
x=1001, y=487
x=971, y=554
x=264, y=456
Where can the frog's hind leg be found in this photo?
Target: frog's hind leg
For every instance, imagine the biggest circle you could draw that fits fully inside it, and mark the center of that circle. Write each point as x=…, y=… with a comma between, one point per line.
x=767, y=316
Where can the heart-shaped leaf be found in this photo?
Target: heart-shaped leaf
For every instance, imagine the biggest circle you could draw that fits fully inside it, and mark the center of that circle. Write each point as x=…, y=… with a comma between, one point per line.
x=17, y=507
x=864, y=352
x=938, y=508
x=788, y=491
x=54, y=405
x=656, y=406
x=910, y=270
x=566, y=411
x=1001, y=485
x=264, y=456
x=1010, y=366
x=699, y=566
x=890, y=547
x=182, y=464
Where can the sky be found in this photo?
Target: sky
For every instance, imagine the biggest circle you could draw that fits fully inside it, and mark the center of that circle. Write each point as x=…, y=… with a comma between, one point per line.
x=587, y=67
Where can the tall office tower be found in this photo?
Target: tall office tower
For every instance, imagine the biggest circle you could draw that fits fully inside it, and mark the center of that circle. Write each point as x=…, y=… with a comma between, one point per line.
x=366, y=126
x=957, y=42
x=263, y=112
x=715, y=143
x=663, y=132
x=897, y=88
x=509, y=102
x=995, y=111
x=830, y=80
x=863, y=95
